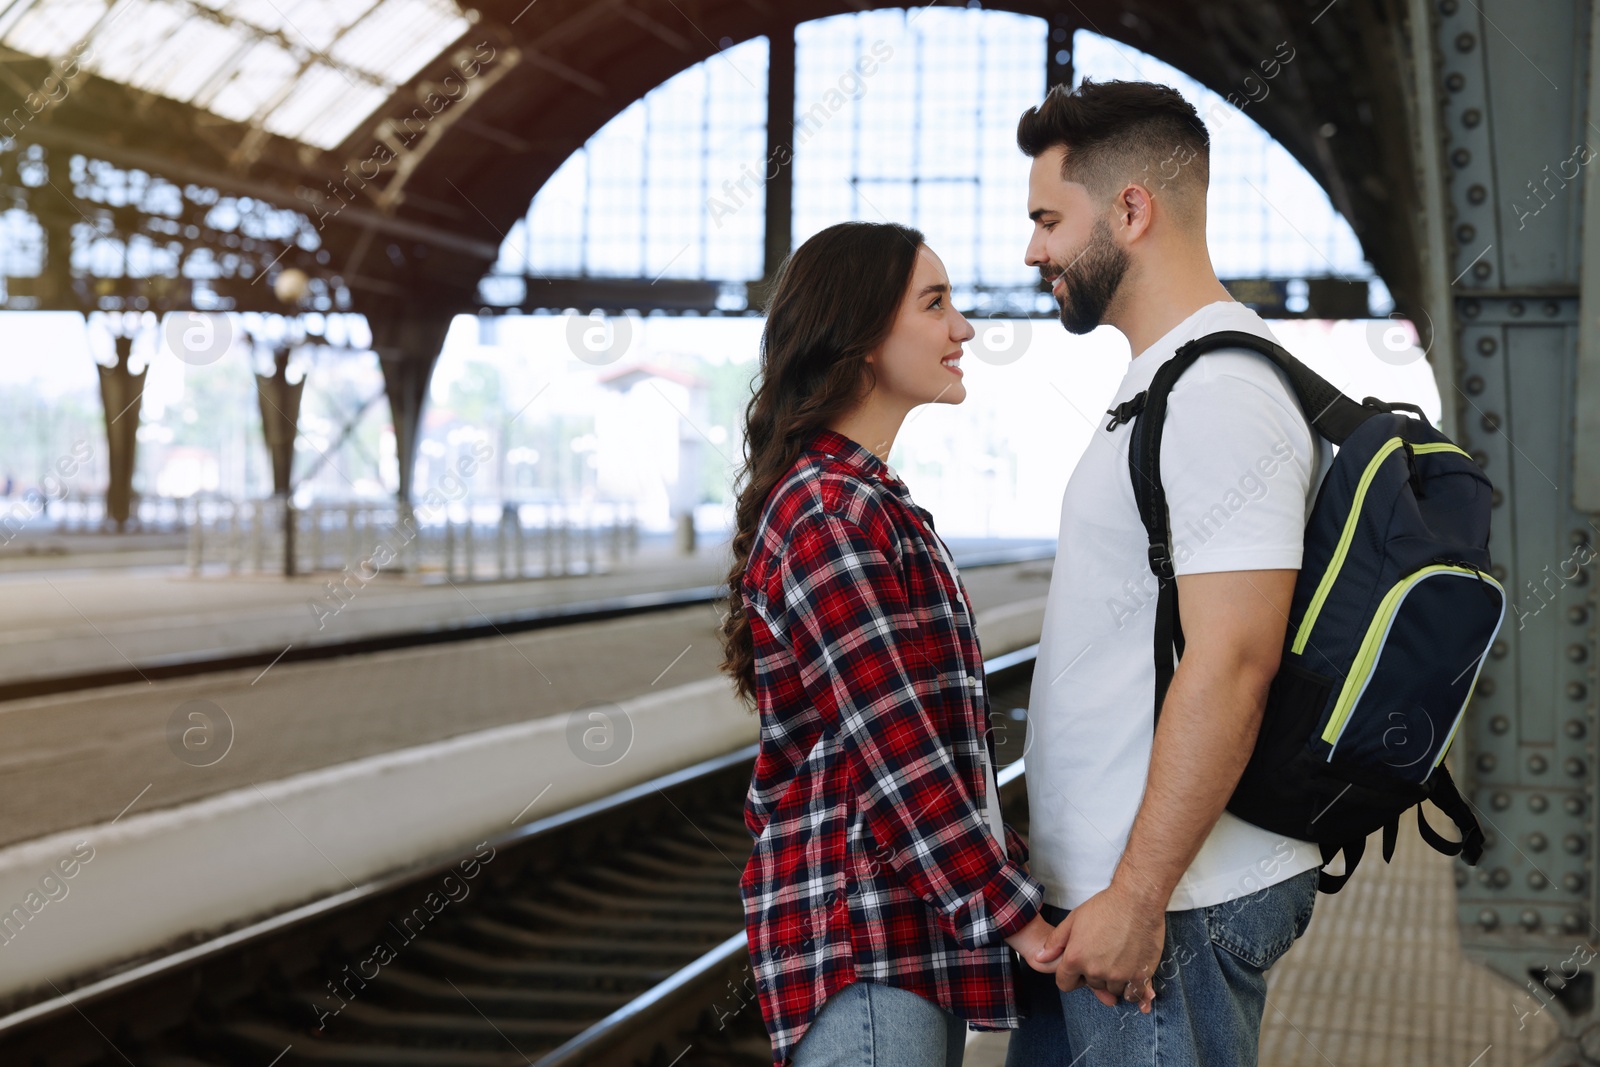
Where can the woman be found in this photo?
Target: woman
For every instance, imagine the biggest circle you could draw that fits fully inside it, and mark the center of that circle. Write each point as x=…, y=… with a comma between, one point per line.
x=883, y=888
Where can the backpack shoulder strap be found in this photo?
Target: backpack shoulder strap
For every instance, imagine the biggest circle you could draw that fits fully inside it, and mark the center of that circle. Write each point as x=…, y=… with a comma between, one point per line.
x=1331, y=413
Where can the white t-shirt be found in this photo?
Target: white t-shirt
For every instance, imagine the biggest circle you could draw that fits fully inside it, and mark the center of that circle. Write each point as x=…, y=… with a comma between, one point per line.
x=1241, y=468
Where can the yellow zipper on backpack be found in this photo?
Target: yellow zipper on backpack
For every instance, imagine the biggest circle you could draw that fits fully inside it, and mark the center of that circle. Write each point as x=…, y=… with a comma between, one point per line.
x=1366, y=660
x=1303, y=633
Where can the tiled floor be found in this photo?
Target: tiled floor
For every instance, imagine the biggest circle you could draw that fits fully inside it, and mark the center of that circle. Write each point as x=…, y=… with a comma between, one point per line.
x=1379, y=981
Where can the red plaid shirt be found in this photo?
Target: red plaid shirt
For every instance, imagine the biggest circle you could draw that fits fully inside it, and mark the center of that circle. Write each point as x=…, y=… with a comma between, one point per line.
x=872, y=859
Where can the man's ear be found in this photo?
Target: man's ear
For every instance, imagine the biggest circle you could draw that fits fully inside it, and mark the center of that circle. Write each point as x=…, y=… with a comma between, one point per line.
x=1134, y=206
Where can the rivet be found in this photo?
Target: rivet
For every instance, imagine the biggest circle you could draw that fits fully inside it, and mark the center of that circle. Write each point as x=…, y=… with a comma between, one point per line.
x=1486, y=762
x=1499, y=724
x=1580, y=537
x=1480, y=457
x=1448, y=7
x=1573, y=922
x=1471, y=117
x=1516, y=309
x=1530, y=919
x=1538, y=802
x=1498, y=650
x=1496, y=498
x=1476, y=194
x=1577, y=653
x=1551, y=308
x=1461, y=876
x=1488, y=919
x=1466, y=232
x=1577, y=690
x=1538, y=764
x=1482, y=270
x=1470, y=309
x=1497, y=569
x=1491, y=422
x=1538, y=842
x=1461, y=157
x=1578, y=614
x=1576, y=767
x=1500, y=878
x=1486, y=687
x=1465, y=41
x=1573, y=843
x=1537, y=880
x=1572, y=882
x=1487, y=345
x=1574, y=805
x=1500, y=801
x=1576, y=728
x=1475, y=385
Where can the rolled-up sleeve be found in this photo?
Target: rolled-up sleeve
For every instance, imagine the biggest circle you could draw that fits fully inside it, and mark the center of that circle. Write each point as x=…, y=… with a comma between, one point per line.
x=847, y=618
x=1016, y=847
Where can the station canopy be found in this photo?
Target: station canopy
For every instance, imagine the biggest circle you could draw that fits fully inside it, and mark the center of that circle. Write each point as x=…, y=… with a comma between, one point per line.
x=308, y=70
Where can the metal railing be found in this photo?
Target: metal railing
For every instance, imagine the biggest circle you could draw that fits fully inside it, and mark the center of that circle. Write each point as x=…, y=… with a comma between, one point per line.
x=86, y=513
x=529, y=541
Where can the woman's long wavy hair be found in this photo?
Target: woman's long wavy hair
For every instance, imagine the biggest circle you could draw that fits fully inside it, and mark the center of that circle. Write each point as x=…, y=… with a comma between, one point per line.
x=833, y=302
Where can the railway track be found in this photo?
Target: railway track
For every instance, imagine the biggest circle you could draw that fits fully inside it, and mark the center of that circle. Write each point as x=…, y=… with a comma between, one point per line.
x=609, y=934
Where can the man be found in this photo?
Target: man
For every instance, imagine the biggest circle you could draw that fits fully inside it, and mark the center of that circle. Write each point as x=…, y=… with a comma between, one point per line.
x=1170, y=908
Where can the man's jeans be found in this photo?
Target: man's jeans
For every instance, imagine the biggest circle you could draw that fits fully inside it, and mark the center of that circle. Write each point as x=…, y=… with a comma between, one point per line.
x=1210, y=991
x=870, y=1025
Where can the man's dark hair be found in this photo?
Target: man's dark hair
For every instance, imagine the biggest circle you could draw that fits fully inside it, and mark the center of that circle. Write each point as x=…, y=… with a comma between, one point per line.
x=1116, y=132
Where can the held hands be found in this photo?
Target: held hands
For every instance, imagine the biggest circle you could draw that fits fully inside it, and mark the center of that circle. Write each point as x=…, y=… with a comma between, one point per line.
x=1031, y=941
x=1110, y=943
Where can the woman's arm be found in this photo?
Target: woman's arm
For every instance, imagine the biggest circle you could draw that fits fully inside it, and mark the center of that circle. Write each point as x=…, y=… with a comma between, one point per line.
x=845, y=615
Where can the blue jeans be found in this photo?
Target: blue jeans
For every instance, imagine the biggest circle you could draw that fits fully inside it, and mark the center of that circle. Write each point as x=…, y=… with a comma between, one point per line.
x=1211, y=989
x=867, y=1024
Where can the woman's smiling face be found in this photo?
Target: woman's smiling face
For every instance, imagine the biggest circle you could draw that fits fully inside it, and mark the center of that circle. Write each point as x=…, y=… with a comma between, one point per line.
x=919, y=362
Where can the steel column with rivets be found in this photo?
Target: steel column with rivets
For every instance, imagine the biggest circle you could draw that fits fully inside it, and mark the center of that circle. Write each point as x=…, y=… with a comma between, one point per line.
x=1517, y=121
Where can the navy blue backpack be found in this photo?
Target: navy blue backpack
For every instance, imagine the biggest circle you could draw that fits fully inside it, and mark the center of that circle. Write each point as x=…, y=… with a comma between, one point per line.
x=1393, y=613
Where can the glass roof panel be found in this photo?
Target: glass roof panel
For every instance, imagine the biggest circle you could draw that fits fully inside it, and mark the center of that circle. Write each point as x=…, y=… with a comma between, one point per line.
x=142, y=29
x=325, y=105
x=48, y=27
x=255, y=78
x=196, y=53
x=308, y=24
x=385, y=41
x=246, y=60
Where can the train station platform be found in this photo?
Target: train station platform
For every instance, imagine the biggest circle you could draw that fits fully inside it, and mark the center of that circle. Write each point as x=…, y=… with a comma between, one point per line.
x=1378, y=980
x=75, y=622
x=336, y=770
x=75, y=758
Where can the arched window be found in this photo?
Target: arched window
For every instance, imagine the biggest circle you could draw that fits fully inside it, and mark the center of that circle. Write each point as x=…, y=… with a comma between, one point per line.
x=905, y=115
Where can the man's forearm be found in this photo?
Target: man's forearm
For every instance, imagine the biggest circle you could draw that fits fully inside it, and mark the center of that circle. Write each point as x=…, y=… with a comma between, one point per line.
x=1207, y=729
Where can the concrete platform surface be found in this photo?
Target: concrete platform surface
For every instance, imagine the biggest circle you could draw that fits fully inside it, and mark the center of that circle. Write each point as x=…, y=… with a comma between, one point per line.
x=76, y=759
x=78, y=621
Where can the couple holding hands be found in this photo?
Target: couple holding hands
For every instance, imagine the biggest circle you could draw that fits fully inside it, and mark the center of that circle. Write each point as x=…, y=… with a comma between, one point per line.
x=887, y=905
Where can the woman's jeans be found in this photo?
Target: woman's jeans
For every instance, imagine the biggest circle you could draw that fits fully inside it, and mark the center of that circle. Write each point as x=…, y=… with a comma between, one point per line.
x=866, y=1024
x=1211, y=989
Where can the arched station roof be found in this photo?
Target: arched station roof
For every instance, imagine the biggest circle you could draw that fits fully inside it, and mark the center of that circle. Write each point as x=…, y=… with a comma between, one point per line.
x=414, y=133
